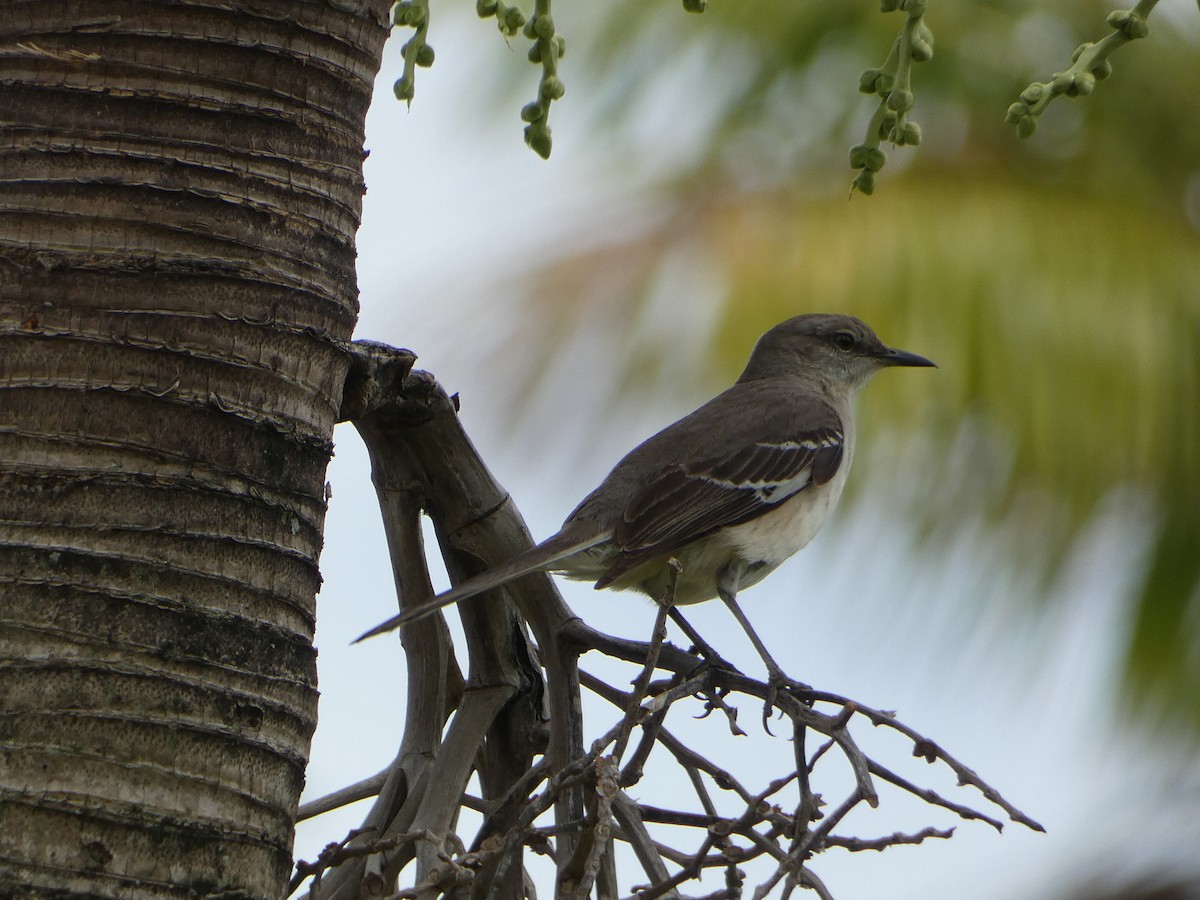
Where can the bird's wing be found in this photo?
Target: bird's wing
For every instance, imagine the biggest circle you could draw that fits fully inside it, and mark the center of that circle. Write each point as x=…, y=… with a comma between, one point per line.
x=687, y=502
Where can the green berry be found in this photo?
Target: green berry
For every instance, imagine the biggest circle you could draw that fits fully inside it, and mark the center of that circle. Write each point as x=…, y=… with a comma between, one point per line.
x=1026, y=126
x=866, y=81
x=1128, y=22
x=864, y=182
x=1102, y=70
x=900, y=101
x=538, y=139
x=1033, y=93
x=531, y=112
x=513, y=20
x=403, y=88
x=695, y=6
x=874, y=159
x=910, y=134
x=858, y=156
x=415, y=17
x=485, y=8
x=552, y=88
x=425, y=56
x=1016, y=112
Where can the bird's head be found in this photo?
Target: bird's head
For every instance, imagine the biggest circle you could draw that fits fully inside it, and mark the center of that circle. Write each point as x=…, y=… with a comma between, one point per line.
x=837, y=350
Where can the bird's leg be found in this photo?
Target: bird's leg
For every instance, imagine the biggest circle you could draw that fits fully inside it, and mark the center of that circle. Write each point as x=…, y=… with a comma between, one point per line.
x=699, y=645
x=727, y=587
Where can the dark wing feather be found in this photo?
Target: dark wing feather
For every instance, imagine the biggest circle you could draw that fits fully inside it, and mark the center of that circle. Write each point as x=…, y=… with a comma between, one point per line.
x=685, y=503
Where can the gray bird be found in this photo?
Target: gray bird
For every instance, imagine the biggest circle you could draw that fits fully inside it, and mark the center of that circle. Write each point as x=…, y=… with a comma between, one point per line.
x=730, y=491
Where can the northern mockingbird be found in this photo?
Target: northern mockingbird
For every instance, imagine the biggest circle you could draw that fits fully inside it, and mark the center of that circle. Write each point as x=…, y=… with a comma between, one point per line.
x=730, y=491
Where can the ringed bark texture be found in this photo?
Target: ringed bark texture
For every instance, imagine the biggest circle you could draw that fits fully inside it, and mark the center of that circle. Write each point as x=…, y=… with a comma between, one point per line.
x=180, y=184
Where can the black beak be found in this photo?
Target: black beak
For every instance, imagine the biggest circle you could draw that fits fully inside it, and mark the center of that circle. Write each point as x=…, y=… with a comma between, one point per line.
x=893, y=357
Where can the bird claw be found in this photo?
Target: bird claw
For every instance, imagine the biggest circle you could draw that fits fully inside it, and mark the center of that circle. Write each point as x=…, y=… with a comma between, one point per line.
x=776, y=680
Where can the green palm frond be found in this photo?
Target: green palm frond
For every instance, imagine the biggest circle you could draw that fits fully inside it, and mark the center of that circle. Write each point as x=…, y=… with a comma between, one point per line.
x=1056, y=280
x=1070, y=324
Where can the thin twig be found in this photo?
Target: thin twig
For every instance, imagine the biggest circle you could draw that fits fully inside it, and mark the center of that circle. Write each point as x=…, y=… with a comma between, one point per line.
x=352, y=793
x=643, y=678
x=855, y=845
x=526, y=745
x=930, y=751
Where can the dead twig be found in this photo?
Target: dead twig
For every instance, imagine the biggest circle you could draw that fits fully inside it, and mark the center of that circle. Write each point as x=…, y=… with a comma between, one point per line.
x=517, y=722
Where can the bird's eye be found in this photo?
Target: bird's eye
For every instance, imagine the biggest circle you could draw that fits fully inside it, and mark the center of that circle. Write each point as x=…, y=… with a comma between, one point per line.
x=844, y=341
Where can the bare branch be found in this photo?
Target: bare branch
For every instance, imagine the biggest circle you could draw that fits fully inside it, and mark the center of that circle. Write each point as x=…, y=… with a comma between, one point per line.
x=633, y=830
x=879, y=844
x=368, y=787
x=517, y=724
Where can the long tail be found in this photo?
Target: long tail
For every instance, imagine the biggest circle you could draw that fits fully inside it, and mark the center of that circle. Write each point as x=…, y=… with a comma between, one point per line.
x=537, y=559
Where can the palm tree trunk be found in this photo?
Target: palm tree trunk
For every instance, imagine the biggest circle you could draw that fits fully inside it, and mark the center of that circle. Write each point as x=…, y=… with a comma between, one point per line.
x=180, y=185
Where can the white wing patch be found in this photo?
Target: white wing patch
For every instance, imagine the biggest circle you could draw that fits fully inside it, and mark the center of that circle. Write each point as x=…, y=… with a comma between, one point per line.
x=755, y=470
x=685, y=503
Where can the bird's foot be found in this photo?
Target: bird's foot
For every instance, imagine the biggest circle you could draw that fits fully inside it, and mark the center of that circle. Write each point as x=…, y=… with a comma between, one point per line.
x=777, y=681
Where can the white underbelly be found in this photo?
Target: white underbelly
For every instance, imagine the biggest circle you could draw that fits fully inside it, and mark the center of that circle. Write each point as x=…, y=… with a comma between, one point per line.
x=776, y=535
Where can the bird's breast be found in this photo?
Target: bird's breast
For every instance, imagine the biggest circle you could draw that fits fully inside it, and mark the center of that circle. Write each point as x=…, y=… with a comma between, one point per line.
x=778, y=533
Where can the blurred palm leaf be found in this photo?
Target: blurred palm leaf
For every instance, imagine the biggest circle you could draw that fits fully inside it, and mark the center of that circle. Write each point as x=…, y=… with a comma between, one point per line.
x=1056, y=281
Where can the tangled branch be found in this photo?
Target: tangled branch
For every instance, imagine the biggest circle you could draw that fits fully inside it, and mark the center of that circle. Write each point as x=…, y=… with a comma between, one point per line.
x=544, y=791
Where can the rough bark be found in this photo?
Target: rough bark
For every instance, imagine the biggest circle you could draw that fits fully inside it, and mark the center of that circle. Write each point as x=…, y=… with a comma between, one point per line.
x=180, y=184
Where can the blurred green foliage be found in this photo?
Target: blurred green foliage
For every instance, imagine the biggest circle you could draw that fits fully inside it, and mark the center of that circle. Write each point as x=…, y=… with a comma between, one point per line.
x=1138, y=131
x=1056, y=280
